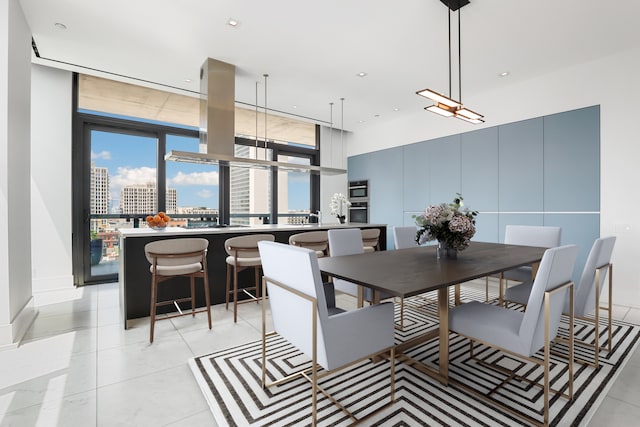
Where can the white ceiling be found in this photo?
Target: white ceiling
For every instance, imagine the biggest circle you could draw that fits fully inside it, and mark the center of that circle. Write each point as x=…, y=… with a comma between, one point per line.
x=312, y=51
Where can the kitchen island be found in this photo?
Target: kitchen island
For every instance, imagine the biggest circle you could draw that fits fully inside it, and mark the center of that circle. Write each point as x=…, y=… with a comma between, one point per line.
x=135, y=278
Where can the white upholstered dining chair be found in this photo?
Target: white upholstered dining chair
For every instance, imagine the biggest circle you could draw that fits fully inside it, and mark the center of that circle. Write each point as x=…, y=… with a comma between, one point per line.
x=523, y=334
x=587, y=293
x=405, y=237
x=526, y=235
x=348, y=241
x=301, y=316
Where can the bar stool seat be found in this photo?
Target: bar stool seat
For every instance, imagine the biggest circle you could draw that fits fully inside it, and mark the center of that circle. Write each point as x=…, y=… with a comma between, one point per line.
x=171, y=258
x=317, y=241
x=371, y=239
x=243, y=253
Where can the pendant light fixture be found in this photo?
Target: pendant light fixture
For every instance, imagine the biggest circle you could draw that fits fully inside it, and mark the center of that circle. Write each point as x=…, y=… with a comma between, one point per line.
x=445, y=105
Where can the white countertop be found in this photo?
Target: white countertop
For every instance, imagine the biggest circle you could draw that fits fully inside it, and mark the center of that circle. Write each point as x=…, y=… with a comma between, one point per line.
x=179, y=231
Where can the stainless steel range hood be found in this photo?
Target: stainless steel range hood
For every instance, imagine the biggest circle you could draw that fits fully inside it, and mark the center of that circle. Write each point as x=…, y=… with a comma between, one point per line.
x=217, y=125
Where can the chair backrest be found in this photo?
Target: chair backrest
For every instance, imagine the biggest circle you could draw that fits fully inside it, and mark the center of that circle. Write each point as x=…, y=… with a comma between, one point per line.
x=178, y=247
x=370, y=237
x=298, y=269
x=533, y=235
x=245, y=244
x=555, y=269
x=315, y=240
x=405, y=237
x=599, y=256
x=345, y=241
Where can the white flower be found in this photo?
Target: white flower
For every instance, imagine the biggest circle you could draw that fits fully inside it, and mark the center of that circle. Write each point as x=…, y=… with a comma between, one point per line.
x=338, y=200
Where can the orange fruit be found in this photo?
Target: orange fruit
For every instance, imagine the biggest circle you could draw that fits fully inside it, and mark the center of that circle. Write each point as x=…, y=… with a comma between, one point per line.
x=161, y=214
x=166, y=218
x=149, y=218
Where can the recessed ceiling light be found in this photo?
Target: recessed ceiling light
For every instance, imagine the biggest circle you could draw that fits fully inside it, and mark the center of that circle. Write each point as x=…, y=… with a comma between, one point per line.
x=294, y=106
x=187, y=80
x=361, y=121
x=504, y=74
x=60, y=26
x=232, y=23
x=396, y=109
x=361, y=74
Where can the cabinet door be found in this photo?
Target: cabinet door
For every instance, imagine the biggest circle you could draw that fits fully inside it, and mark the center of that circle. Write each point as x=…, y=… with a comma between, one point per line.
x=520, y=156
x=479, y=153
x=416, y=177
x=444, y=169
x=572, y=161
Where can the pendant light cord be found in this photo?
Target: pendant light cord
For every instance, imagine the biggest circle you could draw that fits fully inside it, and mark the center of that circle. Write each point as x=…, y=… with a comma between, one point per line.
x=256, y=153
x=449, y=15
x=331, y=133
x=265, y=115
x=459, y=60
x=342, y=132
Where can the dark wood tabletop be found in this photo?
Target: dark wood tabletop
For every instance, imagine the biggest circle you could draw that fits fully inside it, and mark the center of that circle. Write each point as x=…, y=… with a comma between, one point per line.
x=409, y=272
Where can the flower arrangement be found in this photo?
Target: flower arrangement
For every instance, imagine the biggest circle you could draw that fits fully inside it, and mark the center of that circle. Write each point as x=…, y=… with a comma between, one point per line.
x=450, y=224
x=338, y=201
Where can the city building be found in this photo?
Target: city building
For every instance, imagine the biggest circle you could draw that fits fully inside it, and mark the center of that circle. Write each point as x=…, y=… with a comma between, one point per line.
x=143, y=199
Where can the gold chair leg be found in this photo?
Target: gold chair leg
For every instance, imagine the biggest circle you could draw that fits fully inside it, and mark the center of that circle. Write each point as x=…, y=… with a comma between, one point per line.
x=486, y=289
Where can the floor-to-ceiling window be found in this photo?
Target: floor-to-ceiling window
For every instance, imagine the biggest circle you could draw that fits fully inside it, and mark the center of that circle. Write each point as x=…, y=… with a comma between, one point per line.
x=121, y=135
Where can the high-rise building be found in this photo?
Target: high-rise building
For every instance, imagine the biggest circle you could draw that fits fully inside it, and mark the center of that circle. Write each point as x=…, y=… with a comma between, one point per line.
x=143, y=199
x=99, y=195
x=249, y=188
x=99, y=190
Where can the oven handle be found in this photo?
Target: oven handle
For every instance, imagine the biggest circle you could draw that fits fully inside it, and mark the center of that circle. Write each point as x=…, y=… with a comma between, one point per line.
x=358, y=209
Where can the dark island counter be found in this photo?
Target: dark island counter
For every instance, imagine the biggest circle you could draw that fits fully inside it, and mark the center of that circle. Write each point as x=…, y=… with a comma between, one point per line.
x=135, y=278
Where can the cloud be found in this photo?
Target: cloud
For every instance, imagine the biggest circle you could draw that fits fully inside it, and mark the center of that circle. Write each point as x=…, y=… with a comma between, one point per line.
x=104, y=155
x=126, y=176
x=195, y=178
x=205, y=194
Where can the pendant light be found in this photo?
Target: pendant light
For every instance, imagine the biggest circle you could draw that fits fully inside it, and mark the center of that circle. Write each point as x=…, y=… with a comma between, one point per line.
x=445, y=105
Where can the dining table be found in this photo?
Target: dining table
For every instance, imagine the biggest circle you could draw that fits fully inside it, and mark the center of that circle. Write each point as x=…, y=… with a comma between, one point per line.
x=410, y=272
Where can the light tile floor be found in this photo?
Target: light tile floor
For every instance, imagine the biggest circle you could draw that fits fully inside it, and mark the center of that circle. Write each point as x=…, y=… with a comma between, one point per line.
x=77, y=366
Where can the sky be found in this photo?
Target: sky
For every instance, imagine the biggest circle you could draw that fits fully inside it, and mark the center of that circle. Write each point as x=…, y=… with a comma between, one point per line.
x=131, y=159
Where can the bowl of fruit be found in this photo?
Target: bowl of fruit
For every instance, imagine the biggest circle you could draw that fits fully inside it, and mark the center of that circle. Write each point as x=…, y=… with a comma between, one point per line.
x=159, y=221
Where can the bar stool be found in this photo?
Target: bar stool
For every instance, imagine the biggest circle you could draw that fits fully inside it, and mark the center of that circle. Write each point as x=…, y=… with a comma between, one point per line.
x=243, y=253
x=315, y=240
x=371, y=239
x=174, y=258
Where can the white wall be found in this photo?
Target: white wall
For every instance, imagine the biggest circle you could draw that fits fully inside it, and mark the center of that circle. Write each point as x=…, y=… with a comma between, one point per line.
x=16, y=302
x=51, y=178
x=610, y=83
x=332, y=155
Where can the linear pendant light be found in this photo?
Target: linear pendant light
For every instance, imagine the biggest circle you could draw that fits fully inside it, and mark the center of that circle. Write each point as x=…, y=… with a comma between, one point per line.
x=445, y=105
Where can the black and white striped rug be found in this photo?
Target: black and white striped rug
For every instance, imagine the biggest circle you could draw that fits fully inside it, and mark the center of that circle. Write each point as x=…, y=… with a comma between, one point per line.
x=231, y=382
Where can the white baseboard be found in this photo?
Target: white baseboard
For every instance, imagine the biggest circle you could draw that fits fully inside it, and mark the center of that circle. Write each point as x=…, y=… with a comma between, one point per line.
x=11, y=334
x=45, y=284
